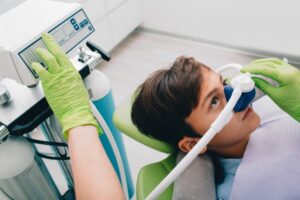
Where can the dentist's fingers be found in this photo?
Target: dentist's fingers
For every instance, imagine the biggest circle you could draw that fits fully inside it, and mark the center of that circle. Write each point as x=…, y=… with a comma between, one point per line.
x=48, y=59
x=263, y=60
x=265, y=70
x=264, y=86
x=262, y=64
x=40, y=70
x=56, y=50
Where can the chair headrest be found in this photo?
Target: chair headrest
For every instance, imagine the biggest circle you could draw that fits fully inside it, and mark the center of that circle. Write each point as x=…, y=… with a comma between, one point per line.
x=122, y=120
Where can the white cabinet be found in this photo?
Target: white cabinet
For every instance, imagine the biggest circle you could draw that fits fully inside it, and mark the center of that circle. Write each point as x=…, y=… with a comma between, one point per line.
x=125, y=19
x=111, y=4
x=102, y=36
x=95, y=9
x=112, y=19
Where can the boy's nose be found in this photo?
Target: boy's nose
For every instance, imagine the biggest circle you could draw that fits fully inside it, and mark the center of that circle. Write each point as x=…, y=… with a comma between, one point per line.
x=243, y=102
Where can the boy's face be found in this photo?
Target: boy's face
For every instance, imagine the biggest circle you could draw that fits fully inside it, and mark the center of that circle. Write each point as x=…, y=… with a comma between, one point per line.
x=211, y=102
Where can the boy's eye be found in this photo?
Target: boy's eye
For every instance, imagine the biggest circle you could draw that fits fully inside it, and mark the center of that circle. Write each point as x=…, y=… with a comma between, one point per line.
x=215, y=102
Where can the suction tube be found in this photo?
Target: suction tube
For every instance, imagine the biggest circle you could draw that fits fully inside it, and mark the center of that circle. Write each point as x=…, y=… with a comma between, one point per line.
x=114, y=146
x=241, y=84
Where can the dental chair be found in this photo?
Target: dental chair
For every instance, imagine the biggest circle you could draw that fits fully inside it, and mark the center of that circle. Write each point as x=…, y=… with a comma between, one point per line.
x=150, y=175
x=200, y=172
x=197, y=182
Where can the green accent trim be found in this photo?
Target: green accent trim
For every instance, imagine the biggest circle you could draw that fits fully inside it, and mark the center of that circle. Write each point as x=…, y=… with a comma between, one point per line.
x=151, y=175
x=122, y=120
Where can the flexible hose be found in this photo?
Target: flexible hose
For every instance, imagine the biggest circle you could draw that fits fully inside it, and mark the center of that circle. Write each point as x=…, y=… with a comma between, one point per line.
x=114, y=146
x=215, y=127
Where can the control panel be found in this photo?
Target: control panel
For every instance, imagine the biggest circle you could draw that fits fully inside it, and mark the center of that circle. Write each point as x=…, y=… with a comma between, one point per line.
x=68, y=34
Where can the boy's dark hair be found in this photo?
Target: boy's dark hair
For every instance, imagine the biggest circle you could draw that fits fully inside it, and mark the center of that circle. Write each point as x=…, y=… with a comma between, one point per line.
x=162, y=103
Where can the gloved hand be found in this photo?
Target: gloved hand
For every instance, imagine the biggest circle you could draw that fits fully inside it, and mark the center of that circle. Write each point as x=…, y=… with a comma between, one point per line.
x=63, y=87
x=287, y=94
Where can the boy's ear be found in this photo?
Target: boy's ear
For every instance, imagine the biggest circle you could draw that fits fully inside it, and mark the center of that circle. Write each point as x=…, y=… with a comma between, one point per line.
x=187, y=143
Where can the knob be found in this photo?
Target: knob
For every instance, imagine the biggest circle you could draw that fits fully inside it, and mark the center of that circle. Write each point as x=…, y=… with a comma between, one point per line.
x=4, y=95
x=3, y=133
x=93, y=47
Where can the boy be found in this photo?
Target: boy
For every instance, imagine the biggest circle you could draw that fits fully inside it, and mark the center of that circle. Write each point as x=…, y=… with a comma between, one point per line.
x=178, y=105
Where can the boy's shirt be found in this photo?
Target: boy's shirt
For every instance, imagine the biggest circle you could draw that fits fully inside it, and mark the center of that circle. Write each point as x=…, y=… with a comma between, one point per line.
x=229, y=167
x=270, y=166
x=268, y=112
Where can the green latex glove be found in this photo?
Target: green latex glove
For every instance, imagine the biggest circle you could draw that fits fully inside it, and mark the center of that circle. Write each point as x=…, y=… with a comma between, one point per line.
x=63, y=87
x=287, y=94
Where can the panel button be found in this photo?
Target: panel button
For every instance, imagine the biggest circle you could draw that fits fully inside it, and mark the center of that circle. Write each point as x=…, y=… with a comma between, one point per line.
x=82, y=24
x=73, y=21
x=90, y=28
x=85, y=22
x=76, y=27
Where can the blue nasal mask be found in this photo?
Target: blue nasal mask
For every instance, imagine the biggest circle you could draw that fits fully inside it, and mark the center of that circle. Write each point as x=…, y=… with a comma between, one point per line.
x=243, y=102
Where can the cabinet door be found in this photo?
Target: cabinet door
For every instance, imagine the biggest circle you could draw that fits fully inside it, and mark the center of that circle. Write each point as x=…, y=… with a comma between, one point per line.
x=111, y=4
x=102, y=36
x=125, y=19
x=95, y=9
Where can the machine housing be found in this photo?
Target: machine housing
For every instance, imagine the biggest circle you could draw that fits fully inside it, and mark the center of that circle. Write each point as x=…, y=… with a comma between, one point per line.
x=21, y=35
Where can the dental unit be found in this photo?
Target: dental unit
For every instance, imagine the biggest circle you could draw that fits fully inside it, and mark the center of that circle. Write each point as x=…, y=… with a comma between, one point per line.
x=26, y=166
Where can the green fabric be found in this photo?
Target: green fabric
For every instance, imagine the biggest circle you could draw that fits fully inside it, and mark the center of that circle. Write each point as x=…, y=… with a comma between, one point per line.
x=63, y=87
x=287, y=94
x=122, y=120
x=151, y=175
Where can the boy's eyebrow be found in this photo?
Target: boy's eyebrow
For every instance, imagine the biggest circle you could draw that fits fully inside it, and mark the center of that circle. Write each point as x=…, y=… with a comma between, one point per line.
x=212, y=92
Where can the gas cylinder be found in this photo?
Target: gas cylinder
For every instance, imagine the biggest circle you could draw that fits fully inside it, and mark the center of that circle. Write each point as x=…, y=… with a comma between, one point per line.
x=22, y=174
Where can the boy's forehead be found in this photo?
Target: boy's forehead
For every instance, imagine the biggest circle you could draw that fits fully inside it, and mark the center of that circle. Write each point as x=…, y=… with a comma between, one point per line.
x=211, y=80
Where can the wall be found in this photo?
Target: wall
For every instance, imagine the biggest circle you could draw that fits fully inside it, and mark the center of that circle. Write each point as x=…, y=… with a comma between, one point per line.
x=269, y=27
